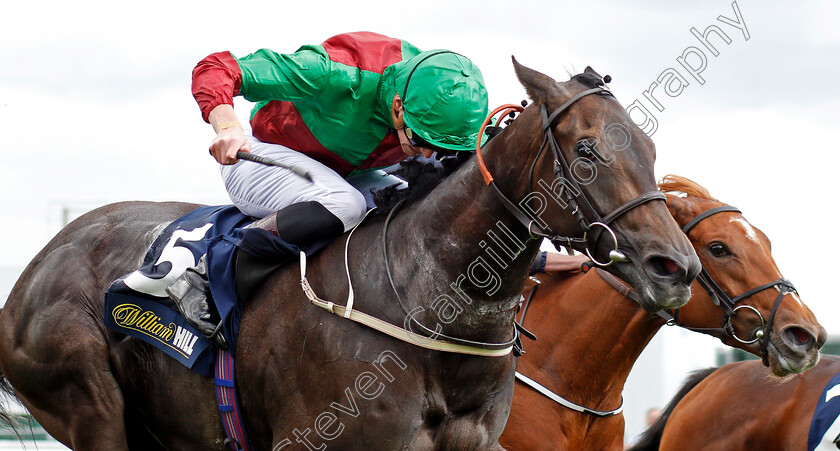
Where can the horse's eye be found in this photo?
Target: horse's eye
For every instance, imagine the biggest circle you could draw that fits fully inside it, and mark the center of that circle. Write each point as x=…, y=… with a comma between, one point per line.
x=718, y=249
x=586, y=148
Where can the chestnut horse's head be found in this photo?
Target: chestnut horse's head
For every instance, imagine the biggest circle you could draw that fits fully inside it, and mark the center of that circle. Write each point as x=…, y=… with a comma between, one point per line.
x=596, y=166
x=746, y=302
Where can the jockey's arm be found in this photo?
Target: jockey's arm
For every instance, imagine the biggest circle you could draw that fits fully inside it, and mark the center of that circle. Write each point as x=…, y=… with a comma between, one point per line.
x=263, y=75
x=554, y=262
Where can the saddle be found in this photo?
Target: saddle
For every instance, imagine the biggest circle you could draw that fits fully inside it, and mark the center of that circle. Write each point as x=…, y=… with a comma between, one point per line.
x=207, y=241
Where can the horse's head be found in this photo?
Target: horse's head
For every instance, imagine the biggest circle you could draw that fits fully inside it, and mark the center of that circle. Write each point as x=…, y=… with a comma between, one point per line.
x=591, y=175
x=758, y=309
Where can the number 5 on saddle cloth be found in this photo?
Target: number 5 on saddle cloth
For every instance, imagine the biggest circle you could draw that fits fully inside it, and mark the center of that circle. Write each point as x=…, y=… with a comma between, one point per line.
x=138, y=305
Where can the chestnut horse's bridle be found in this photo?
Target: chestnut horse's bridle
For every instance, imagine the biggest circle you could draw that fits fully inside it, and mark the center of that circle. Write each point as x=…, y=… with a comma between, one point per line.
x=730, y=305
x=719, y=297
x=588, y=218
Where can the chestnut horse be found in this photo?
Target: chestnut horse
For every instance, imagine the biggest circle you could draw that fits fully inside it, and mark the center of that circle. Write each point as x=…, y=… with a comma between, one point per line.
x=737, y=407
x=590, y=335
x=456, y=259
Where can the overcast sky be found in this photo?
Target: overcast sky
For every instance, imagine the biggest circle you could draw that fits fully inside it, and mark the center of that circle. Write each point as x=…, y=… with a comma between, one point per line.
x=95, y=102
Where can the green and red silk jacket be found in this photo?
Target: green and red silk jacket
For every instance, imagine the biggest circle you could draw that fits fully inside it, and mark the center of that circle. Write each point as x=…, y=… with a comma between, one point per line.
x=331, y=102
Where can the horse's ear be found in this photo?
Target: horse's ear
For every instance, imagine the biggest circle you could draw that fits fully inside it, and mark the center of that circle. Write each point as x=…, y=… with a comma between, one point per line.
x=537, y=85
x=589, y=70
x=681, y=208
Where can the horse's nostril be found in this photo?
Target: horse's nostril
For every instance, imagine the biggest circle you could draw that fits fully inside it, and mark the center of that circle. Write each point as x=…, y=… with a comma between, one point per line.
x=801, y=336
x=670, y=266
x=664, y=266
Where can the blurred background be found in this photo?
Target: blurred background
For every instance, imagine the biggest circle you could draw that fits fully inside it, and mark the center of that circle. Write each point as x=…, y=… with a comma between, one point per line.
x=95, y=107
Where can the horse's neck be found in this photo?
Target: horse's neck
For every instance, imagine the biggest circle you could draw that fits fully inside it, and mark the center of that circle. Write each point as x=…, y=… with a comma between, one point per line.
x=468, y=257
x=589, y=338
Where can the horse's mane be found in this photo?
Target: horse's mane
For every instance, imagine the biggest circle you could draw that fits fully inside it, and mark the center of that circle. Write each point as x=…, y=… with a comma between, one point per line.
x=676, y=184
x=422, y=177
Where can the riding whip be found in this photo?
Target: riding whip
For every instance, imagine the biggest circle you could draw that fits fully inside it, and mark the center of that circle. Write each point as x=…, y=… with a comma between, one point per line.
x=242, y=155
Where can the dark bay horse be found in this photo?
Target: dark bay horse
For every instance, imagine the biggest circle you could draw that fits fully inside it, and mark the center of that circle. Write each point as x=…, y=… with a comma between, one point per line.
x=590, y=335
x=306, y=378
x=738, y=408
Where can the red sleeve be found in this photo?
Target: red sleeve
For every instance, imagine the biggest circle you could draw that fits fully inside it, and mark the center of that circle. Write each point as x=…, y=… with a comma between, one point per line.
x=215, y=80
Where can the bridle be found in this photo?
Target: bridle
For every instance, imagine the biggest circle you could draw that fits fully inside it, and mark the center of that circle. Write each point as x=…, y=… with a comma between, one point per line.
x=561, y=169
x=719, y=297
x=730, y=305
x=574, y=196
x=578, y=201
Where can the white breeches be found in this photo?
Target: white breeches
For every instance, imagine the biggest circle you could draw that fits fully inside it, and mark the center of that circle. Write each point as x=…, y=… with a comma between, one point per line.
x=259, y=190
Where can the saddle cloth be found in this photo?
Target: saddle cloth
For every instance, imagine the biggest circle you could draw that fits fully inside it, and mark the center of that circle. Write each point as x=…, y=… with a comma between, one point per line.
x=137, y=305
x=825, y=424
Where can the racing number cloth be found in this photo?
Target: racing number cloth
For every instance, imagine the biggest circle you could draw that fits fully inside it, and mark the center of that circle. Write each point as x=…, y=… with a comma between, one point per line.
x=825, y=423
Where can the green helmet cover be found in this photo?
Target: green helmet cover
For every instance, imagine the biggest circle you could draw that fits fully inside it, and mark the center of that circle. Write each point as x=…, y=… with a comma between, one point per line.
x=444, y=98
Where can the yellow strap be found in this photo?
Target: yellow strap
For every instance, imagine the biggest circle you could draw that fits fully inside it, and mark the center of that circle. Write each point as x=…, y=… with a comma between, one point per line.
x=390, y=329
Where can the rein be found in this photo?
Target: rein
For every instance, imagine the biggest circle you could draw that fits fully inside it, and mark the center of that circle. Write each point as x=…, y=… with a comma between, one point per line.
x=432, y=339
x=585, y=213
x=719, y=297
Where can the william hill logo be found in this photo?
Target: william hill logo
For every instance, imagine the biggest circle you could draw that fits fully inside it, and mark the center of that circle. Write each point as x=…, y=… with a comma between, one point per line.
x=132, y=316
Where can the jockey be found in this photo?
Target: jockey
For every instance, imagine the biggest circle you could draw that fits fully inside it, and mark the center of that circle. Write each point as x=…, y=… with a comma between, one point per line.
x=337, y=110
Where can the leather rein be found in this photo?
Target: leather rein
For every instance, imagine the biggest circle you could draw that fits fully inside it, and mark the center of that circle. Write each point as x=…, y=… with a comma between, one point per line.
x=561, y=169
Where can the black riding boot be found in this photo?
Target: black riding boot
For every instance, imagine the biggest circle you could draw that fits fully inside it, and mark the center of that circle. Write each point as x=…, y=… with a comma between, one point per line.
x=299, y=224
x=191, y=293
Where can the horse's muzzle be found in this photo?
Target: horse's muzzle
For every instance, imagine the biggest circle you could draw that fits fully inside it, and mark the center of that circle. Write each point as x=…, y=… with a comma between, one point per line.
x=669, y=278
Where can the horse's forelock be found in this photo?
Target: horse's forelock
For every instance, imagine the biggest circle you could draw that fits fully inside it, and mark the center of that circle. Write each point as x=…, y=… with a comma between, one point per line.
x=680, y=185
x=590, y=80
